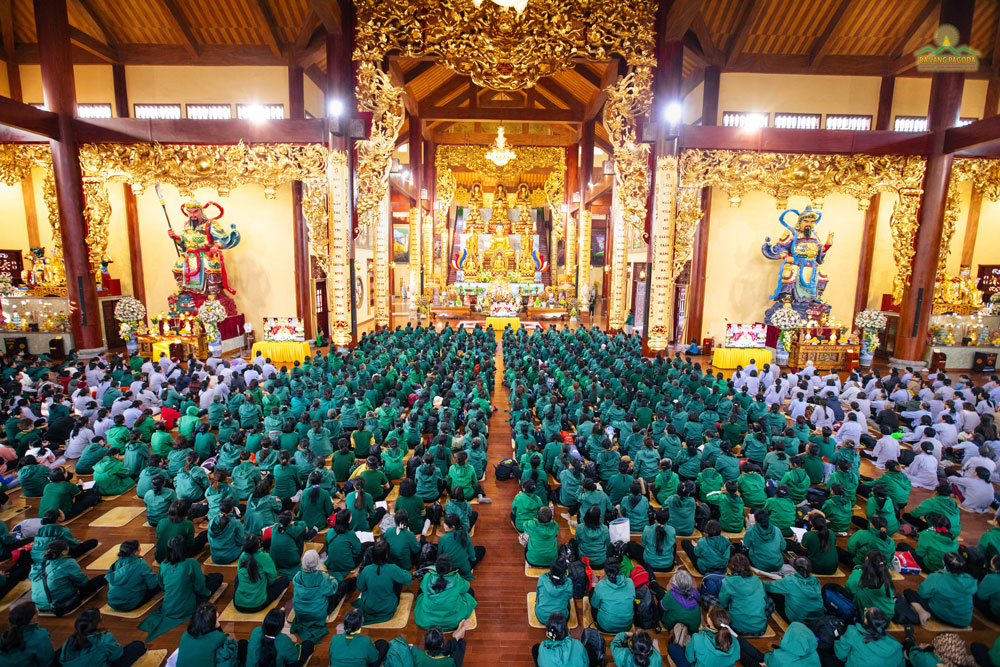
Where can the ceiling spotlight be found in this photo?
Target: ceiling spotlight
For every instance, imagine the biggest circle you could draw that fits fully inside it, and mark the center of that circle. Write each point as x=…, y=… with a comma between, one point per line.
x=673, y=112
x=335, y=108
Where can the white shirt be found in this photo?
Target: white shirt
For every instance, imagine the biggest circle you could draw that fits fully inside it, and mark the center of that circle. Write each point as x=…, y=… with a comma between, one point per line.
x=822, y=416
x=946, y=433
x=797, y=408
x=849, y=430
x=978, y=493
x=923, y=471
x=886, y=449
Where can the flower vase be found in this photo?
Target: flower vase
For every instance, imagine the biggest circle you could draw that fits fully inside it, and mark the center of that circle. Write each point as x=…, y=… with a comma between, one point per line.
x=867, y=354
x=132, y=345
x=215, y=346
x=780, y=352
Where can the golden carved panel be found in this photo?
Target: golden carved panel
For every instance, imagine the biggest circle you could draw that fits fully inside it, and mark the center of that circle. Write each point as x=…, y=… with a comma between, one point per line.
x=339, y=278
x=500, y=48
x=384, y=101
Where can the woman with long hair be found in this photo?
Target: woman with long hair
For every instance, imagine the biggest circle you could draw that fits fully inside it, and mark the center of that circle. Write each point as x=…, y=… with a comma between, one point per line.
x=263, y=507
x=742, y=594
x=131, y=582
x=797, y=596
x=343, y=548
x=715, y=645
x=92, y=646
x=316, y=504
x=57, y=580
x=658, y=543
x=554, y=592
x=380, y=584
x=204, y=644
x=875, y=537
x=635, y=508
x=257, y=580
x=269, y=647
x=612, y=599
x=361, y=505
x=352, y=648
x=225, y=534
x=764, y=542
x=635, y=649
x=184, y=585
x=403, y=544
x=946, y=595
x=868, y=643
x=24, y=642
x=178, y=525
x=559, y=649
x=444, y=599
x=288, y=539
x=457, y=545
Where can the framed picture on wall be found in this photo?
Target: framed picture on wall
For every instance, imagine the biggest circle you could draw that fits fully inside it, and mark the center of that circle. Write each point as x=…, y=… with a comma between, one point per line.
x=359, y=291
x=401, y=244
x=12, y=264
x=364, y=239
x=598, y=240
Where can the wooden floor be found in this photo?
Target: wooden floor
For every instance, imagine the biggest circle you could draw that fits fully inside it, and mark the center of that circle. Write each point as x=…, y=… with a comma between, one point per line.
x=503, y=635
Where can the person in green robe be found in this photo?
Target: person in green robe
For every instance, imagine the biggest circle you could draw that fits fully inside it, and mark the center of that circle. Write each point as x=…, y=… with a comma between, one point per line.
x=611, y=599
x=245, y=476
x=444, y=598
x=158, y=500
x=799, y=595
x=933, y=543
x=56, y=579
x=188, y=422
x=947, y=648
x=343, y=549
x=315, y=595
x=525, y=505
x=404, y=547
x=262, y=507
x=204, y=644
x=225, y=534
x=941, y=503
x=353, y=649
x=92, y=646
x=710, y=553
x=553, y=592
x=287, y=540
x=946, y=596
x=658, y=543
x=867, y=643
x=316, y=504
x=131, y=582
x=33, y=477
x=796, y=479
x=257, y=580
x=178, y=524
x=797, y=649
x=559, y=649
x=269, y=646
x=542, y=534
x=743, y=596
x=413, y=504
x=111, y=477
x=25, y=643
x=380, y=584
x=873, y=538
x=870, y=585
x=593, y=538
x=838, y=509
x=53, y=528
x=184, y=586
x=730, y=506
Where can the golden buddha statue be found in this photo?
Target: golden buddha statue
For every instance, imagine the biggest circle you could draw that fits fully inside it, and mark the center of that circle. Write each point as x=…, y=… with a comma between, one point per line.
x=471, y=266
x=500, y=208
x=526, y=266
x=524, y=224
x=499, y=255
x=474, y=223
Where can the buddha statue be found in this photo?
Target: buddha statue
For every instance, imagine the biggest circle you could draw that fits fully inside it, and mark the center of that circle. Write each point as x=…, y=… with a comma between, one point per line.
x=500, y=208
x=499, y=256
x=526, y=266
x=471, y=266
x=473, y=216
x=524, y=225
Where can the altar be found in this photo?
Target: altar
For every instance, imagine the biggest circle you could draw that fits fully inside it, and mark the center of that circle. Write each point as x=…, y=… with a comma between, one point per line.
x=152, y=345
x=824, y=356
x=281, y=353
x=729, y=358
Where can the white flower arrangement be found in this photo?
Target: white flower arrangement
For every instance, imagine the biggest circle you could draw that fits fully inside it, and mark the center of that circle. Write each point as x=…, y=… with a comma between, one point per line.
x=870, y=319
x=130, y=313
x=210, y=314
x=786, y=318
x=6, y=284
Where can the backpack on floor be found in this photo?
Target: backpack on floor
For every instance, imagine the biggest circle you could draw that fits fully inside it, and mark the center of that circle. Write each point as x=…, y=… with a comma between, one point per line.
x=827, y=629
x=593, y=642
x=506, y=469
x=646, y=610
x=711, y=584
x=577, y=573
x=840, y=605
x=975, y=561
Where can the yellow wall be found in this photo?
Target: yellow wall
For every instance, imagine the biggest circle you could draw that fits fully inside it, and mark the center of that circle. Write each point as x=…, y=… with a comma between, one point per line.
x=739, y=278
x=314, y=99
x=798, y=93
x=207, y=85
x=987, y=249
x=14, y=228
x=94, y=84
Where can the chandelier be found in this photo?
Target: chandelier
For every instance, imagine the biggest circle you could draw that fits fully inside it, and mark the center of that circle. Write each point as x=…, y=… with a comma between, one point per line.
x=499, y=154
x=518, y=5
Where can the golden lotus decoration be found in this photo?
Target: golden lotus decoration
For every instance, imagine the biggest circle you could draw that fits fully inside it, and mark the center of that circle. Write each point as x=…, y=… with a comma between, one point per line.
x=503, y=49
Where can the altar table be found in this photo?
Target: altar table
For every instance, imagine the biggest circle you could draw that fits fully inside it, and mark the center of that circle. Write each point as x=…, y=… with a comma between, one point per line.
x=151, y=345
x=731, y=357
x=281, y=352
x=500, y=323
x=823, y=356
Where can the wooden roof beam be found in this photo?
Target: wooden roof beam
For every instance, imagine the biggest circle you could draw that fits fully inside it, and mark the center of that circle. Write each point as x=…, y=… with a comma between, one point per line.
x=418, y=69
x=748, y=20
x=7, y=29
x=692, y=81
x=446, y=89
x=94, y=46
x=314, y=44
x=98, y=24
x=396, y=76
x=305, y=33
x=678, y=18
x=317, y=76
x=328, y=12
x=553, y=87
x=268, y=27
x=180, y=26
x=597, y=103
x=900, y=57
x=821, y=47
x=496, y=115
x=700, y=30
x=588, y=74
x=26, y=117
x=995, y=58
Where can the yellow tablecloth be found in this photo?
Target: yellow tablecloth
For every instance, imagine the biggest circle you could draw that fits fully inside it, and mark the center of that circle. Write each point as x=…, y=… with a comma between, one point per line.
x=284, y=352
x=161, y=347
x=500, y=323
x=731, y=357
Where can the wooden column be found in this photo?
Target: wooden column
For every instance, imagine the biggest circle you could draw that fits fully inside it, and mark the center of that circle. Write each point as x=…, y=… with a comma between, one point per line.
x=976, y=201
x=304, y=309
x=943, y=112
x=585, y=177
x=699, y=257
x=59, y=87
x=572, y=186
x=883, y=118
x=131, y=207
